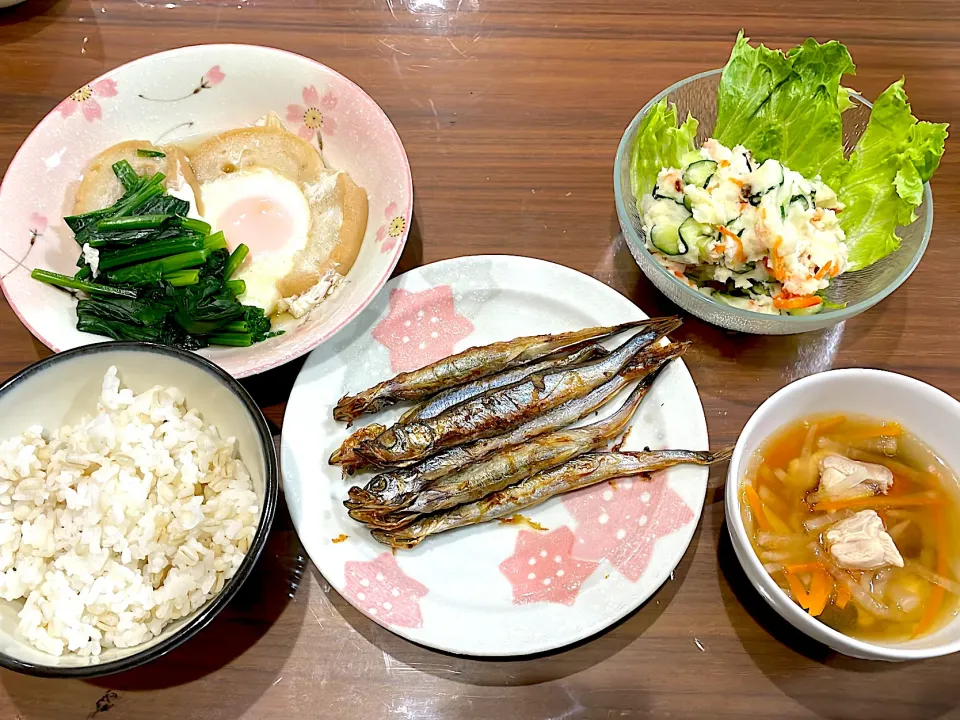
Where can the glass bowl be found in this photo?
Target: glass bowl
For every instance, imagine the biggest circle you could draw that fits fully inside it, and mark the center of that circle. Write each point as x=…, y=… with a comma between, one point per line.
x=860, y=290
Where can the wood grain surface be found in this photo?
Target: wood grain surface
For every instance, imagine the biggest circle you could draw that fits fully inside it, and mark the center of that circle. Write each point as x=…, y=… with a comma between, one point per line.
x=511, y=113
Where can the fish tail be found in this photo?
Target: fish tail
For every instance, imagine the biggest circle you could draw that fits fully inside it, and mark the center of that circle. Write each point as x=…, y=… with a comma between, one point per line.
x=649, y=362
x=694, y=457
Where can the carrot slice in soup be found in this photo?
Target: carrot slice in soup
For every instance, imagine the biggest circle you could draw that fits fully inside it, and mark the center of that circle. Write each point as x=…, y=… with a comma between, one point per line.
x=843, y=596
x=820, y=590
x=935, y=601
x=799, y=592
x=878, y=501
x=757, y=506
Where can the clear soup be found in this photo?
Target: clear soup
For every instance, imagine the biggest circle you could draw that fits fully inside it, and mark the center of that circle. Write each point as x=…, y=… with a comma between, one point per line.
x=787, y=516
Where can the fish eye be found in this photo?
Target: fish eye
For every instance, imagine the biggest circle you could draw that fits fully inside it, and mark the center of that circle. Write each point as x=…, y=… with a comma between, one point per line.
x=389, y=439
x=378, y=484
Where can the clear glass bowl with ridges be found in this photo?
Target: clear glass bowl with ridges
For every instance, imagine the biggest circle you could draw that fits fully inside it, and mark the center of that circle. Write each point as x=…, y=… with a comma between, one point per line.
x=860, y=290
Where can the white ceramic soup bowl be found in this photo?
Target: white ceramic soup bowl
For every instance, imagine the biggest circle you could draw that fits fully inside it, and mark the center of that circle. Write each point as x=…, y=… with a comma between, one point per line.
x=930, y=414
x=185, y=94
x=62, y=389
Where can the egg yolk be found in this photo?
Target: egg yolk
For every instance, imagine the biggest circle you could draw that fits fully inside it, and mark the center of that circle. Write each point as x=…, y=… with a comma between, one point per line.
x=260, y=223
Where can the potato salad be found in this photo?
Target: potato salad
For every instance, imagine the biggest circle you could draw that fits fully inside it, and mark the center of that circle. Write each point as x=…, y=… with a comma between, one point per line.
x=758, y=236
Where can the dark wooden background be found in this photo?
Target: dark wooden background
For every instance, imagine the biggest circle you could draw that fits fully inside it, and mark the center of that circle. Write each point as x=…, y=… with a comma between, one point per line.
x=511, y=113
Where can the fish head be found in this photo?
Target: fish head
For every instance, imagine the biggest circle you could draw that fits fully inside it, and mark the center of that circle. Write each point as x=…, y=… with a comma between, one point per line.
x=398, y=444
x=388, y=486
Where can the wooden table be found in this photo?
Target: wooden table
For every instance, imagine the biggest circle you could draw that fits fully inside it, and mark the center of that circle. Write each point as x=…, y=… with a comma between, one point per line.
x=511, y=113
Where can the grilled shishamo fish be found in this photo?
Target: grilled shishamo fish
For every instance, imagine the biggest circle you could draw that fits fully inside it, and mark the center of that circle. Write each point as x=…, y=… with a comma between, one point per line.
x=448, y=398
x=471, y=364
x=456, y=395
x=391, y=490
x=577, y=473
x=510, y=466
x=504, y=408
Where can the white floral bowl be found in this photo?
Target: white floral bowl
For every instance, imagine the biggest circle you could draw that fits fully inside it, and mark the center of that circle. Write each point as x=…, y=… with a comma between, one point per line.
x=192, y=92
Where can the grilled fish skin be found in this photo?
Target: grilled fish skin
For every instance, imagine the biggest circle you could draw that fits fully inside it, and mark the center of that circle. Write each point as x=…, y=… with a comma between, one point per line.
x=345, y=455
x=471, y=364
x=461, y=393
x=503, y=409
x=513, y=465
x=390, y=490
x=577, y=473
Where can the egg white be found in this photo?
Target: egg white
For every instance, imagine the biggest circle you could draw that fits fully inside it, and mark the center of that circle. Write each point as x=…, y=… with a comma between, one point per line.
x=263, y=267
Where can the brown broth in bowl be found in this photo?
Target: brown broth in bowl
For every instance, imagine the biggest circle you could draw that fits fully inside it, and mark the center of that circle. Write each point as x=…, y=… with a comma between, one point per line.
x=788, y=515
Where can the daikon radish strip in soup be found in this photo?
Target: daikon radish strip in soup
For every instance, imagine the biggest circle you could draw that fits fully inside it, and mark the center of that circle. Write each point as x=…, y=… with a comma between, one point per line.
x=850, y=516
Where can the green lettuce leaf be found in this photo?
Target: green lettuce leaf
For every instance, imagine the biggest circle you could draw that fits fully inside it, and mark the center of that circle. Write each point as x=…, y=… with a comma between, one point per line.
x=749, y=78
x=659, y=144
x=883, y=182
x=844, y=101
x=786, y=107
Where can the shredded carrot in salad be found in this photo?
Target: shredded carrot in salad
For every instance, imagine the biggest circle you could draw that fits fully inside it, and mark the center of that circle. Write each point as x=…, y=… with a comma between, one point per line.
x=741, y=255
x=775, y=259
x=825, y=270
x=792, y=303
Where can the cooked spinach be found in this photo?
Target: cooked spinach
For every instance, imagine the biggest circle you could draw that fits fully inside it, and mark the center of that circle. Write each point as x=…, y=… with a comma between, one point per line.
x=157, y=275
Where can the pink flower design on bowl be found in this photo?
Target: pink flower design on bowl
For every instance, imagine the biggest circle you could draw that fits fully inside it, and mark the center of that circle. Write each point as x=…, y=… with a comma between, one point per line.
x=392, y=229
x=382, y=590
x=622, y=520
x=86, y=100
x=213, y=76
x=38, y=223
x=37, y=226
x=314, y=115
x=421, y=327
x=542, y=568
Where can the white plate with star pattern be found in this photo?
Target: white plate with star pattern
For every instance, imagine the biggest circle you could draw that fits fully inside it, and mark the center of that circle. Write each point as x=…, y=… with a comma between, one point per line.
x=492, y=589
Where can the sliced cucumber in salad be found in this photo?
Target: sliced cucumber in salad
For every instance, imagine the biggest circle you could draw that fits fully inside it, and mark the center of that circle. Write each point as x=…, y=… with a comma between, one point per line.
x=668, y=192
x=666, y=238
x=699, y=173
x=733, y=300
x=696, y=235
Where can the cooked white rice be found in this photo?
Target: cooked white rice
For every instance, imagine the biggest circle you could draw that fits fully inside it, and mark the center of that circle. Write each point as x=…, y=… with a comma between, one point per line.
x=114, y=527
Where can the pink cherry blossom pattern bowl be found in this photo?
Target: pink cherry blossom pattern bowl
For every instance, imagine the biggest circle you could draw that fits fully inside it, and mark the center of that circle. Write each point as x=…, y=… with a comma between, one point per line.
x=180, y=95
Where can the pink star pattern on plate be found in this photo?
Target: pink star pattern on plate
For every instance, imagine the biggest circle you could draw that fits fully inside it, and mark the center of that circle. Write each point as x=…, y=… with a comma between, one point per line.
x=86, y=99
x=542, y=569
x=421, y=327
x=622, y=521
x=383, y=591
